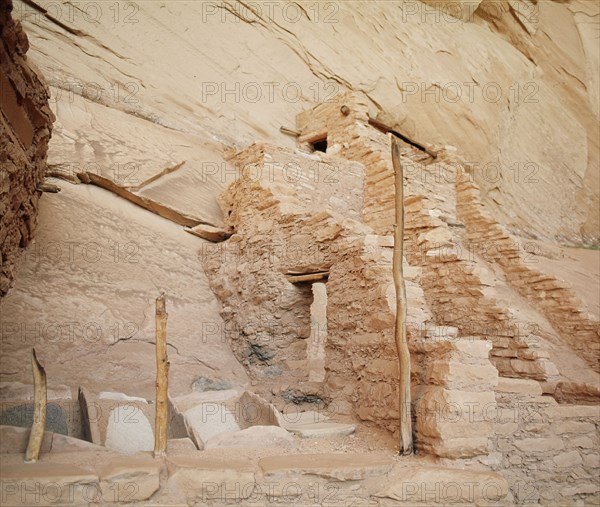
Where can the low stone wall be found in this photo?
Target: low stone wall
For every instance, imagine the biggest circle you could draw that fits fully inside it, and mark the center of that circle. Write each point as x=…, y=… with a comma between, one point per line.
x=548, y=452
x=25, y=128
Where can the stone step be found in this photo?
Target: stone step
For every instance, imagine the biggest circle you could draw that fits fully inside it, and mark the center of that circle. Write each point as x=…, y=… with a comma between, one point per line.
x=129, y=479
x=307, y=417
x=219, y=480
x=342, y=467
x=519, y=386
x=107, y=480
x=582, y=393
x=445, y=486
x=572, y=411
x=321, y=429
x=254, y=437
x=176, y=446
x=47, y=484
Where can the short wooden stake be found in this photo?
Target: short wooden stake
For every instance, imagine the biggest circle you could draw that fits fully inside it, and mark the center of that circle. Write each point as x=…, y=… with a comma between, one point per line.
x=162, y=380
x=40, y=399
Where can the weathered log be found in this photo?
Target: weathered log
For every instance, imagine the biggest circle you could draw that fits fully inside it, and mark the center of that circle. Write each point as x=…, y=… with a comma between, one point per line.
x=308, y=277
x=289, y=132
x=40, y=398
x=47, y=187
x=162, y=380
x=389, y=130
x=406, y=440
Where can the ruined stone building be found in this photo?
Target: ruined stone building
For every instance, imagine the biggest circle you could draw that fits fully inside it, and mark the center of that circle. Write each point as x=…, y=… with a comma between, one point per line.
x=244, y=170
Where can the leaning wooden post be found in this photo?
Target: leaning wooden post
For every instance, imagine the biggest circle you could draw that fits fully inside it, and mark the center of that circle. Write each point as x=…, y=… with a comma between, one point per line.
x=162, y=380
x=40, y=398
x=406, y=441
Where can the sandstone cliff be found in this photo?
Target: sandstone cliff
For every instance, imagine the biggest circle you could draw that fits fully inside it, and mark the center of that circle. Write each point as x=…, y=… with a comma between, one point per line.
x=152, y=87
x=25, y=127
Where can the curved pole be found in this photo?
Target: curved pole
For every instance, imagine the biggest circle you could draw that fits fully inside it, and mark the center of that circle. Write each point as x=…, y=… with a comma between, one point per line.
x=406, y=440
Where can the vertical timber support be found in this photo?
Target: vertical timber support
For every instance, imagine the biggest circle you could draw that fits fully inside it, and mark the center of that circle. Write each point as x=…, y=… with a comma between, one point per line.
x=40, y=399
x=406, y=440
x=162, y=380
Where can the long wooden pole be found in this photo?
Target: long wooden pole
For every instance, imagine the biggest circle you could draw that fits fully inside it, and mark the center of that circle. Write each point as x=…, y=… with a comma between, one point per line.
x=162, y=379
x=40, y=399
x=406, y=440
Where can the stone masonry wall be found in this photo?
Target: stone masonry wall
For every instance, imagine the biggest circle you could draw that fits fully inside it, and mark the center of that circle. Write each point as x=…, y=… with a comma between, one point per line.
x=287, y=213
x=362, y=361
x=548, y=452
x=454, y=289
x=25, y=129
x=553, y=297
x=281, y=225
x=456, y=392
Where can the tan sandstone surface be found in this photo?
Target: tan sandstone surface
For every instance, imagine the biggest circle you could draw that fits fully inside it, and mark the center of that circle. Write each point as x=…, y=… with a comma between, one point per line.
x=514, y=86
x=274, y=249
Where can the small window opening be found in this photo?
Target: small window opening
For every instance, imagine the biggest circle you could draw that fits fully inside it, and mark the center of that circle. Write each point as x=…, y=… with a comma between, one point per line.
x=320, y=145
